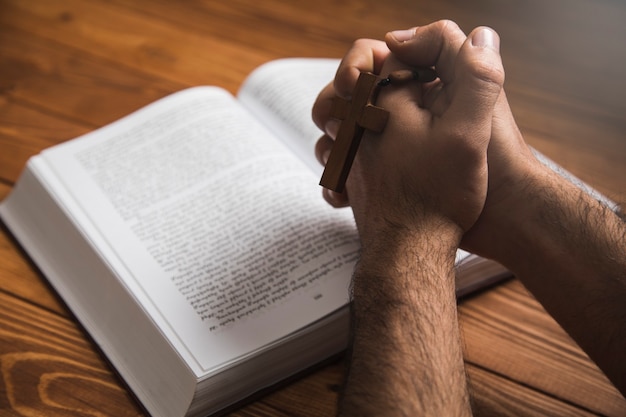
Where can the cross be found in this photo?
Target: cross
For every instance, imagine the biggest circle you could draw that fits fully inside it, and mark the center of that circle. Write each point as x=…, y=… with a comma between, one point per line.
x=357, y=114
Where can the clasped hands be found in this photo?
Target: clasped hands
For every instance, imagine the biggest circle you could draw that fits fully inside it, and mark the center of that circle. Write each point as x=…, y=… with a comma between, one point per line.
x=451, y=169
x=429, y=167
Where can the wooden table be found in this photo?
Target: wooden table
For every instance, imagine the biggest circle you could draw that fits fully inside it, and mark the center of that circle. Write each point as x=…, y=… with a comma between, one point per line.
x=67, y=67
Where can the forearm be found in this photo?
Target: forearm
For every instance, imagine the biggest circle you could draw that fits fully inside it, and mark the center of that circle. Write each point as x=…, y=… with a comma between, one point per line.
x=570, y=252
x=406, y=356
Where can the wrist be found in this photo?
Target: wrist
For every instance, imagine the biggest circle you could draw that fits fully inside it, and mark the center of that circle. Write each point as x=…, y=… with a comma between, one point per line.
x=512, y=200
x=405, y=335
x=405, y=260
x=389, y=243
x=536, y=214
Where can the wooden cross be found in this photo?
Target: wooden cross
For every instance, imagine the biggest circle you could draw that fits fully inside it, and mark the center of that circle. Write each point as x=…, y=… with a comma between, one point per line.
x=357, y=114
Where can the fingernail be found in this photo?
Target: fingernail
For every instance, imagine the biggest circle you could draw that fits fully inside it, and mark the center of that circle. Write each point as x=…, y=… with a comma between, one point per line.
x=486, y=38
x=403, y=35
x=332, y=127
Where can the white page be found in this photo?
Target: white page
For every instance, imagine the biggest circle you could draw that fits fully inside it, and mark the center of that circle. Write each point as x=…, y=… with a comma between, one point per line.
x=281, y=94
x=218, y=198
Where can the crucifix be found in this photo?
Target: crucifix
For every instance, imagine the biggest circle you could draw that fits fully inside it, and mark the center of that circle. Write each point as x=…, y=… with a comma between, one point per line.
x=357, y=114
x=360, y=114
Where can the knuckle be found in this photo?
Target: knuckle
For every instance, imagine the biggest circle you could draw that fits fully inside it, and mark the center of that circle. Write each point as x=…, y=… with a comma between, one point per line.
x=447, y=25
x=449, y=28
x=362, y=43
x=487, y=71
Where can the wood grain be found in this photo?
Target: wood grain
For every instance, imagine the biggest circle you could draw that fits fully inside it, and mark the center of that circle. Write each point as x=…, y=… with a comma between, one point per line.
x=504, y=332
x=40, y=73
x=69, y=67
x=48, y=368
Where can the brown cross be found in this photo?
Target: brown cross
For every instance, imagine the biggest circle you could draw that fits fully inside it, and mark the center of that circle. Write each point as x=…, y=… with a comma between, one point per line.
x=357, y=114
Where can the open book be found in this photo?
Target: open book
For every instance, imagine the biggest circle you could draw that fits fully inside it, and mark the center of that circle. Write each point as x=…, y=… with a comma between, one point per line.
x=191, y=240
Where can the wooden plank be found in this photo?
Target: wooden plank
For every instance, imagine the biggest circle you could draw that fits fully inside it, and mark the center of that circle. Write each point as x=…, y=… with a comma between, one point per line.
x=578, y=128
x=154, y=46
x=549, y=60
x=49, y=368
x=312, y=395
x=542, y=42
x=53, y=77
x=64, y=375
x=46, y=105
x=25, y=131
x=492, y=395
x=507, y=331
x=496, y=396
x=531, y=82
x=19, y=278
x=289, y=28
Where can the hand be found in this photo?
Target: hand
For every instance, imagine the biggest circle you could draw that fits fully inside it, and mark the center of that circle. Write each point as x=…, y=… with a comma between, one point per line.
x=511, y=163
x=431, y=160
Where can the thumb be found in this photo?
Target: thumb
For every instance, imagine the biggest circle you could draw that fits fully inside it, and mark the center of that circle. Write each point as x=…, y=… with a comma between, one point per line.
x=477, y=83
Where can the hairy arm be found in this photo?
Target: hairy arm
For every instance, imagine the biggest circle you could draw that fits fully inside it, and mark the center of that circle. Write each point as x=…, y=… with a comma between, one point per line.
x=414, y=190
x=565, y=247
x=570, y=252
x=406, y=357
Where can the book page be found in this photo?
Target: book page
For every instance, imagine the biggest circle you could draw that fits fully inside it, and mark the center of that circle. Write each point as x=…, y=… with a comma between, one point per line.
x=281, y=94
x=221, y=232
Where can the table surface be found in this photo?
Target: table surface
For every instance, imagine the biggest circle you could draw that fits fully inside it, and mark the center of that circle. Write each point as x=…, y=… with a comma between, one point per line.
x=67, y=67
